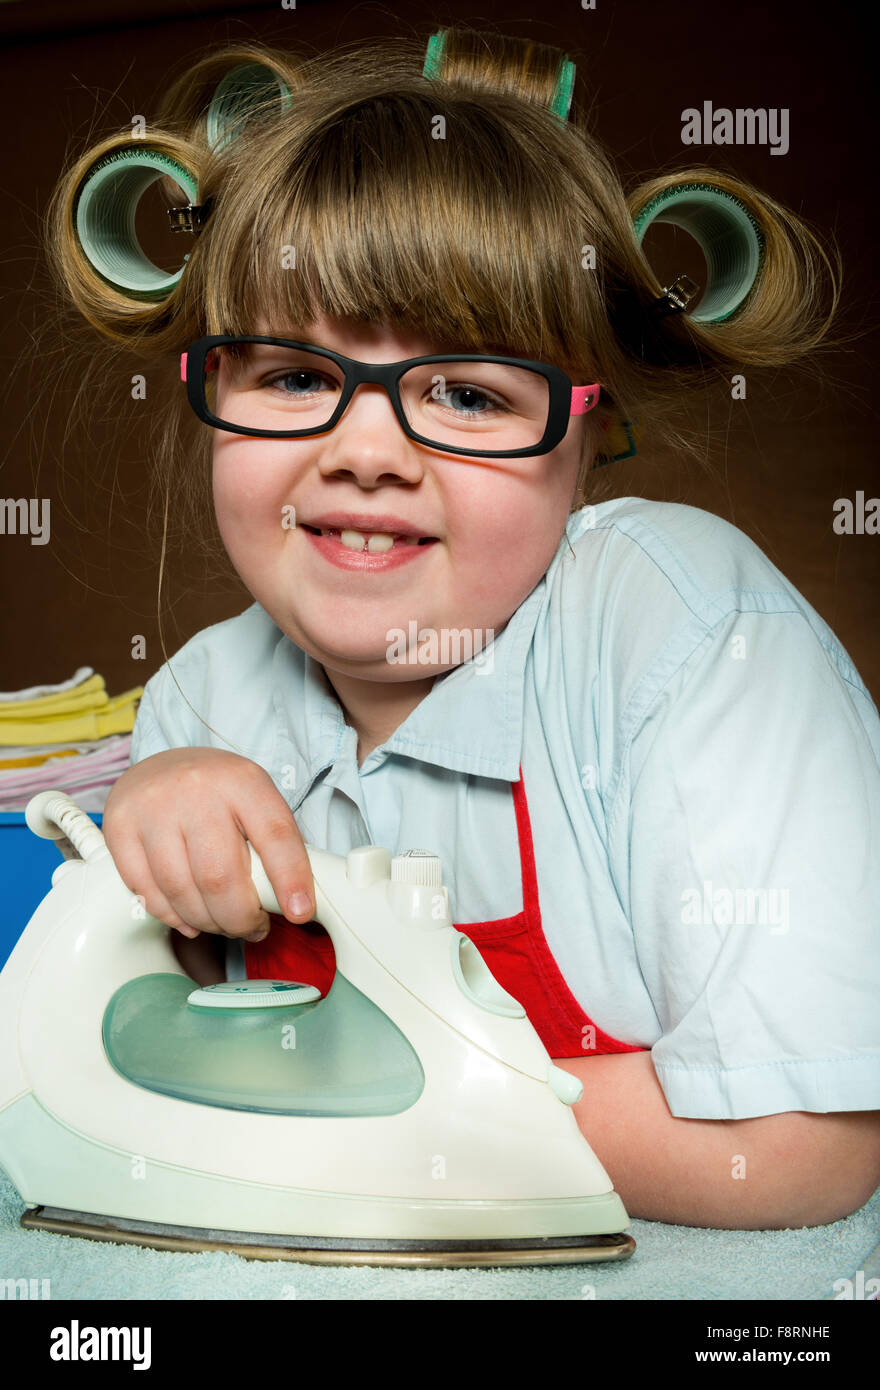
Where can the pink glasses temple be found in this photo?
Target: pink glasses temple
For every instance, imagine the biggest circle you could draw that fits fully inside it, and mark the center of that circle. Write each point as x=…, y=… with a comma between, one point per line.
x=583, y=398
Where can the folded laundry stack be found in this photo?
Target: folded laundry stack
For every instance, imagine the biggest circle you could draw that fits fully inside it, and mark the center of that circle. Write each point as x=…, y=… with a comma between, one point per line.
x=73, y=736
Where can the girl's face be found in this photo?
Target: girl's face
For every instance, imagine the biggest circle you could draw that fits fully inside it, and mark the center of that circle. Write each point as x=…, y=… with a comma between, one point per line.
x=496, y=523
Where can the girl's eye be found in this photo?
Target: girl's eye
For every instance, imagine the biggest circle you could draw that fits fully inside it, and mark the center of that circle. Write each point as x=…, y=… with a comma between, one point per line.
x=469, y=400
x=297, y=383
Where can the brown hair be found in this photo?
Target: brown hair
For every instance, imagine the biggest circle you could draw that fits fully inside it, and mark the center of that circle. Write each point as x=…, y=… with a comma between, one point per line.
x=475, y=238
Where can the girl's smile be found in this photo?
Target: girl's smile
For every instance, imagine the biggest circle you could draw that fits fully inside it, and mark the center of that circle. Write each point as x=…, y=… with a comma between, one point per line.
x=369, y=552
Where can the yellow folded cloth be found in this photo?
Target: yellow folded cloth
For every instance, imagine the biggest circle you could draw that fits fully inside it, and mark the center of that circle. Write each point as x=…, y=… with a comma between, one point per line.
x=38, y=758
x=84, y=712
x=87, y=695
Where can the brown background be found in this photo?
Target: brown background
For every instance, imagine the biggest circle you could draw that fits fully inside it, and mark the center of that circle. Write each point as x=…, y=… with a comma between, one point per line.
x=75, y=70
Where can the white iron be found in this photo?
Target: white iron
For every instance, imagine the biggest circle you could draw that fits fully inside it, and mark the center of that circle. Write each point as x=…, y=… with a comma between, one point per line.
x=413, y=1116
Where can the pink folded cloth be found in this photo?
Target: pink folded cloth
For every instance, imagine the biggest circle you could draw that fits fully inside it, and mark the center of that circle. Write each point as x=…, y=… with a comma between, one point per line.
x=87, y=776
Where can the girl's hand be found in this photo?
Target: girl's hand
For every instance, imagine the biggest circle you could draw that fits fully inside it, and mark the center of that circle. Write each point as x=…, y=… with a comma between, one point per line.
x=176, y=825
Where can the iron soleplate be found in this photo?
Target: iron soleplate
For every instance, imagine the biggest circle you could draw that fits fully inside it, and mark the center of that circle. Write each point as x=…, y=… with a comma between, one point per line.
x=251, y=1245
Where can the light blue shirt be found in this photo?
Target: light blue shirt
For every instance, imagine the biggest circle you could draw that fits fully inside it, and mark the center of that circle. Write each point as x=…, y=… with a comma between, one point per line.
x=702, y=766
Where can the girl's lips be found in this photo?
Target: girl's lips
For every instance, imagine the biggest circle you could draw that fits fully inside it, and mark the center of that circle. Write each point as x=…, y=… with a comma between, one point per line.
x=365, y=561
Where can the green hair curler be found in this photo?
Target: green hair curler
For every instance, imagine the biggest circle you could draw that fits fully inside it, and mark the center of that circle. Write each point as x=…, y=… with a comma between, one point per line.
x=726, y=233
x=560, y=105
x=435, y=55
x=104, y=218
x=241, y=92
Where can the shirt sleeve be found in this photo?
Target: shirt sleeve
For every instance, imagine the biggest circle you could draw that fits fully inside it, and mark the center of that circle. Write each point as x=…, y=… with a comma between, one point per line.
x=754, y=874
x=146, y=736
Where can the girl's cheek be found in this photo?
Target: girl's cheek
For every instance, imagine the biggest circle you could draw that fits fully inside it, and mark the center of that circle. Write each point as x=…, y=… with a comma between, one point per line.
x=224, y=471
x=244, y=485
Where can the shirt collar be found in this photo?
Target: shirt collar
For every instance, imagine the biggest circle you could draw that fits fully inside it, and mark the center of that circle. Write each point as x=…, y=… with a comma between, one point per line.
x=470, y=721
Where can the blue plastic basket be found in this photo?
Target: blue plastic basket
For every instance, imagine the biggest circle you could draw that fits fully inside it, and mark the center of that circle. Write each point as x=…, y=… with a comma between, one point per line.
x=27, y=863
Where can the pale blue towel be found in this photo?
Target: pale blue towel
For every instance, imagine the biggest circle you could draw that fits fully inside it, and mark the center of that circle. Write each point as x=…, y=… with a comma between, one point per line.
x=671, y=1262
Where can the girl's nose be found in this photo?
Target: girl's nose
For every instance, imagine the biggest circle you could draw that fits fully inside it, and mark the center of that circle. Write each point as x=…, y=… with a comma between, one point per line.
x=368, y=441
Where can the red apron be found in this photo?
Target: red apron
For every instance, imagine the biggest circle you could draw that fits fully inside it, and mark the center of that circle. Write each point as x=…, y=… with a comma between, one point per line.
x=514, y=948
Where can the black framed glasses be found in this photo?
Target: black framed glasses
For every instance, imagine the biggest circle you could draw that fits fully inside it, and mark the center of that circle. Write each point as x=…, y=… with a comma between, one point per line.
x=462, y=403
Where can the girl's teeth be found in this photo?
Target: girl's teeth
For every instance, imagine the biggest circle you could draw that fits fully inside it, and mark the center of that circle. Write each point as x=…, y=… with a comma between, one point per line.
x=376, y=542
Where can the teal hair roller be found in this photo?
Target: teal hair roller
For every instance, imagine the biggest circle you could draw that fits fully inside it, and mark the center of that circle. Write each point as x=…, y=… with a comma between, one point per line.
x=104, y=217
x=726, y=233
x=245, y=89
x=560, y=104
x=435, y=55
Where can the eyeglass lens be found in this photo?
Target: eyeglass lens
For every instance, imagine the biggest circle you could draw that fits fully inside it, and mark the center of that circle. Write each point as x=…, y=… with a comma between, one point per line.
x=474, y=405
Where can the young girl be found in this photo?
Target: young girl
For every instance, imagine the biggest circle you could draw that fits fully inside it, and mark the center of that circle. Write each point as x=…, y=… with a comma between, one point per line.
x=649, y=767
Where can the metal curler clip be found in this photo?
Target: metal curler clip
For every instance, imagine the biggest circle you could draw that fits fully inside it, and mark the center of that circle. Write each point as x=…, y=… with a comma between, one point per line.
x=190, y=218
x=675, y=299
